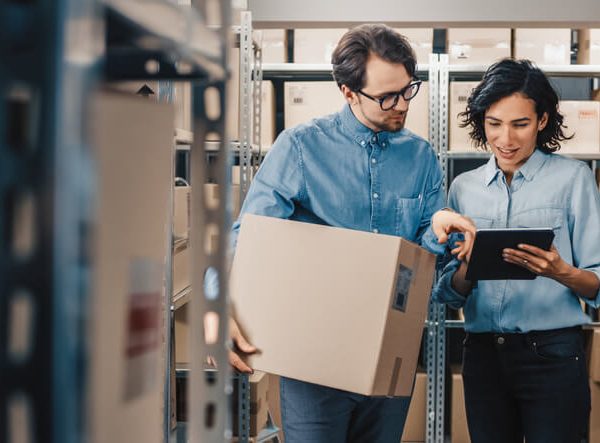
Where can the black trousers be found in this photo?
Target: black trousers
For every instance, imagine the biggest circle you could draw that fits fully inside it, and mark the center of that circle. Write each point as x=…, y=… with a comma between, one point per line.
x=532, y=386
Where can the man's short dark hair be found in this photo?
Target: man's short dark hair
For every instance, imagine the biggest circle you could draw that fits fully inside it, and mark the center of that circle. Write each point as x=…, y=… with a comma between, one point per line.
x=349, y=59
x=504, y=79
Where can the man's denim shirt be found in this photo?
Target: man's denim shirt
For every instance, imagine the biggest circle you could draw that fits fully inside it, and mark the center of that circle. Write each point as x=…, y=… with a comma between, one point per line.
x=335, y=171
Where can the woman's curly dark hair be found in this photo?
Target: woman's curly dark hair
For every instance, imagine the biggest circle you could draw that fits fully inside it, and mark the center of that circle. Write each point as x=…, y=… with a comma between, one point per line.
x=504, y=79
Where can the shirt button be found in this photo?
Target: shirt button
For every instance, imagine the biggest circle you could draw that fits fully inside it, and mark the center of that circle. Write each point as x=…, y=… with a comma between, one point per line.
x=500, y=340
x=383, y=144
x=362, y=142
x=373, y=160
x=375, y=195
x=374, y=139
x=376, y=231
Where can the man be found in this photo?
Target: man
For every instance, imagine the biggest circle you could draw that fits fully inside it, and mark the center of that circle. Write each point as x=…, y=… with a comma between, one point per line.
x=357, y=169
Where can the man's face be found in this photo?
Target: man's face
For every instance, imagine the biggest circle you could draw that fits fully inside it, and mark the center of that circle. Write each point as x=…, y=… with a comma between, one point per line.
x=382, y=78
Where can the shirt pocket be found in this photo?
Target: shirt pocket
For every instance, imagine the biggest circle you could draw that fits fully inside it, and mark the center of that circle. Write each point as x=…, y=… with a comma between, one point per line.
x=539, y=218
x=408, y=217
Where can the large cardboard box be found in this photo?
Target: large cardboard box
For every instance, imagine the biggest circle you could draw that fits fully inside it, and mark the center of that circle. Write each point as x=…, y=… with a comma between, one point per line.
x=589, y=47
x=417, y=119
x=304, y=101
x=313, y=298
x=181, y=212
x=132, y=140
x=315, y=45
x=274, y=45
x=414, y=429
x=459, y=140
x=421, y=40
x=582, y=117
x=459, y=429
x=594, y=356
x=478, y=46
x=543, y=46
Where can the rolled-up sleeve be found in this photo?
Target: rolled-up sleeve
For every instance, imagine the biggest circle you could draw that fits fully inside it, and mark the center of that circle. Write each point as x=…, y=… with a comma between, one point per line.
x=585, y=226
x=433, y=201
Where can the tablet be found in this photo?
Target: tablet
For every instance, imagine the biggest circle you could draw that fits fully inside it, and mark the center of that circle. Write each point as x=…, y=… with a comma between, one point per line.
x=486, y=258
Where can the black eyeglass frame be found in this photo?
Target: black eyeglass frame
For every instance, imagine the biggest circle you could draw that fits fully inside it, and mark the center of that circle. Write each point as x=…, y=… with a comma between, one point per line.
x=396, y=95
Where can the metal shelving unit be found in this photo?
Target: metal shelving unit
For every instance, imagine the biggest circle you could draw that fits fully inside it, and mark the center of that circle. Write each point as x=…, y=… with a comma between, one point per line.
x=46, y=171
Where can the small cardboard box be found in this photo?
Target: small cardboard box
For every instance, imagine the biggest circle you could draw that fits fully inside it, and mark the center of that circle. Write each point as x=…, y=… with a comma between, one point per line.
x=478, y=46
x=582, y=118
x=459, y=140
x=594, y=356
x=421, y=40
x=417, y=119
x=259, y=411
x=315, y=45
x=304, y=101
x=181, y=212
x=594, y=431
x=313, y=298
x=543, y=46
x=274, y=45
x=459, y=429
x=589, y=47
x=414, y=429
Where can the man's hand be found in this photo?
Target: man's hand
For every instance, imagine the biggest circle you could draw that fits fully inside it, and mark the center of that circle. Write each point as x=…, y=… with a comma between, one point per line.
x=240, y=343
x=445, y=222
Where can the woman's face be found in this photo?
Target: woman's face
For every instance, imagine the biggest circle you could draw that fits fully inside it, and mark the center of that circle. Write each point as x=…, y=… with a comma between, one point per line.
x=511, y=127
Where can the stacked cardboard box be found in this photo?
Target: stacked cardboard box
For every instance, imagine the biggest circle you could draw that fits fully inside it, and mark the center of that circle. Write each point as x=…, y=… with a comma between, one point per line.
x=274, y=45
x=459, y=430
x=421, y=40
x=414, y=429
x=315, y=45
x=543, y=46
x=307, y=100
x=582, y=118
x=459, y=139
x=478, y=46
x=355, y=278
x=589, y=47
x=594, y=369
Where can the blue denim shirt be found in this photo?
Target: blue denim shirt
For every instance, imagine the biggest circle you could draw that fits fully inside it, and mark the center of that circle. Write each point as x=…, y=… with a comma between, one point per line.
x=335, y=171
x=547, y=191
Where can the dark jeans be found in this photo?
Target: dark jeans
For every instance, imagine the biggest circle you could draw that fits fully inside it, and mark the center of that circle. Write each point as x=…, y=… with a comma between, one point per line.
x=316, y=414
x=532, y=385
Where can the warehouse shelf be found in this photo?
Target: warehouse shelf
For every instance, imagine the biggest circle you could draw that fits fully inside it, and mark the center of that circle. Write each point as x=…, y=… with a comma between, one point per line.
x=159, y=39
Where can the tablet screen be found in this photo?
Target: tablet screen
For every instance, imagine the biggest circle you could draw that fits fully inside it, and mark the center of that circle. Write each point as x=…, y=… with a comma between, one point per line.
x=486, y=258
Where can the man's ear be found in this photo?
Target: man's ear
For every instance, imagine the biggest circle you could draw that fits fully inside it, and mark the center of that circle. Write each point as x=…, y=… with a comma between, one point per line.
x=349, y=95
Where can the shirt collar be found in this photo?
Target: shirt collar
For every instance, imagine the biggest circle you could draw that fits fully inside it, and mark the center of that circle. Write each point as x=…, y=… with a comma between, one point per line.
x=528, y=170
x=359, y=132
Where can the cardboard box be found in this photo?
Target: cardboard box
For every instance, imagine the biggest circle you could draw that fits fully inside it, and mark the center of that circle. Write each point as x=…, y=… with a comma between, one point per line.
x=182, y=98
x=543, y=46
x=478, y=46
x=232, y=108
x=414, y=429
x=267, y=117
x=594, y=431
x=417, y=119
x=589, y=47
x=299, y=291
x=459, y=429
x=458, y=139
x=181, y=266
x=274, y=403
x=421, y=40
x=304, y=101
x=594, y=356
x=130, y=137
x=181, y=212
x=315, y=45
x=259, y=388
x=582, y=117
x=274, y=45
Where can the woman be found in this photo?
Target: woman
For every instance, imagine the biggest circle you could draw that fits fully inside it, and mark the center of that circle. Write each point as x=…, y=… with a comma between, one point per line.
x=524, y=367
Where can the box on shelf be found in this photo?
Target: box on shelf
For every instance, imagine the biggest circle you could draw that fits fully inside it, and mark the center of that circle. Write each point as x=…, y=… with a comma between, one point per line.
x=182, y=98
x=331, y=279
x=582, y=118
x=594, y=356
x=130, y=137
x=459, y=429
x=421, y=40
x=274, y=45
x=232, y=104
x=259, y=388
x=181, y=266
x=267, y=118
x=417, y=119
x=414, y=429
x=478, y=46
x=182, y=336
x=594, y=430
x=458, y=138
x=181, y=212
x=315, y=45
x=589, y=47
x=304, y=101
x=543, y=46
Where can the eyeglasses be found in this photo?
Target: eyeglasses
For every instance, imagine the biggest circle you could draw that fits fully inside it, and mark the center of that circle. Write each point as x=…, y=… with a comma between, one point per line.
x=389, y=101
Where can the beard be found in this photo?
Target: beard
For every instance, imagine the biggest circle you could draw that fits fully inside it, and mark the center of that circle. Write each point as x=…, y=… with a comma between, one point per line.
x=391, y=123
